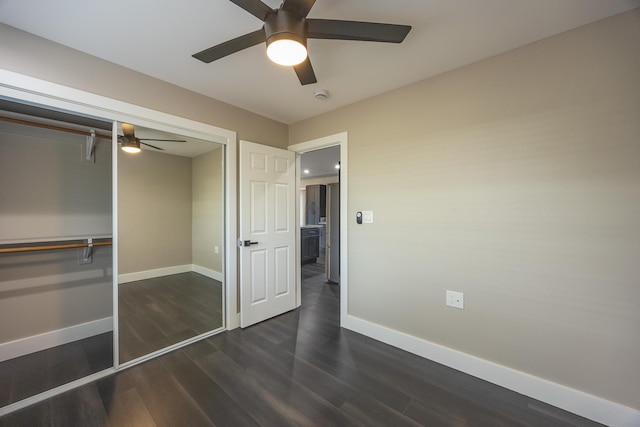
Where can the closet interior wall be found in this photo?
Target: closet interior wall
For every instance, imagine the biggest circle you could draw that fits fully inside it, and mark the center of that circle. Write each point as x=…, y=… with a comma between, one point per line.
x=51, y=193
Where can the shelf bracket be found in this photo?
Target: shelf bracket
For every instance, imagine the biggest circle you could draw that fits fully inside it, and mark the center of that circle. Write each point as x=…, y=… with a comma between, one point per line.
x=90, y=147
x=87, y=253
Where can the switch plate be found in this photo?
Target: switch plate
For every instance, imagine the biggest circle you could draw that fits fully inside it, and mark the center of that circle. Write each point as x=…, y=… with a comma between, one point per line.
x=367, y=217
x=455, y=299
x=216, y=250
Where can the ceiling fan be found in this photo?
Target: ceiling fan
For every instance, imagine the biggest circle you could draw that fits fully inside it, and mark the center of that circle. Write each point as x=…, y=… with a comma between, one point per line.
x=288, y=28
x=129, y=143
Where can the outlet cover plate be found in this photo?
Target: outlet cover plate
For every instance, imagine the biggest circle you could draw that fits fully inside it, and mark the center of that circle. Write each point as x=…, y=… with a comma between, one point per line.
x=455, y=299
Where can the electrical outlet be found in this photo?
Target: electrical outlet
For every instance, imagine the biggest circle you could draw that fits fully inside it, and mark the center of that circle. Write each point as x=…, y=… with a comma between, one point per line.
x=455, y=299
x=216, y=250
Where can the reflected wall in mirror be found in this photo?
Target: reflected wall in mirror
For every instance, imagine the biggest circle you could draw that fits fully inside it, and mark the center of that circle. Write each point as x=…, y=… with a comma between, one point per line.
x=55, y=300
x=170, y=242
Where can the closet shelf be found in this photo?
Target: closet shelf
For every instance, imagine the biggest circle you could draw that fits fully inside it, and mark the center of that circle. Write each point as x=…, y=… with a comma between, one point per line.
x=52, y=127
x=6, y=249
x=91, y=135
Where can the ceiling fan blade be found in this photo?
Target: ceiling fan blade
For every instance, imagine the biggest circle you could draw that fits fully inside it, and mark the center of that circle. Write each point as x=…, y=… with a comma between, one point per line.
x=356, y=30
x=299, y=7
x=165, y=140
x=127, y=130
x=231, y=46
x=305, y=73
x=152, y=146
x=254, y=7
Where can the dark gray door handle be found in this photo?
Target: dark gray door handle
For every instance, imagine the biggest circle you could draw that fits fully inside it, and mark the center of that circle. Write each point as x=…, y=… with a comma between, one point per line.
x=249, y=243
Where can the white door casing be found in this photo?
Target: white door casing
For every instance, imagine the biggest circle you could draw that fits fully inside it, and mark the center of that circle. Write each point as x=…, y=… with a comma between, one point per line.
x=267, y=232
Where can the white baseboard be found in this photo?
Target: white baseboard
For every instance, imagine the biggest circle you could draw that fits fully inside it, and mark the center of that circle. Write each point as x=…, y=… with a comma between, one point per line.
x=575, y=401
x=212, y=274
x=167, y=271
x=23, y=346
x=150, y=274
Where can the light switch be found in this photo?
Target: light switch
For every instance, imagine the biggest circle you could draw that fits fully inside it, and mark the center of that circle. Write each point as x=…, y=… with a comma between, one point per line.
x=367, y=217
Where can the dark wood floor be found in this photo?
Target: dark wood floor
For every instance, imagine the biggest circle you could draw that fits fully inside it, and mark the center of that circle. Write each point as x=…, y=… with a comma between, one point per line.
x=34, y=373
x=299, y=369
x=156, y=313
x=314, y=270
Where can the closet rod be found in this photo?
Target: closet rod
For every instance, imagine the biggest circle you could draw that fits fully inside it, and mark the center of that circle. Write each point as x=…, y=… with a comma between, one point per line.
x=51, y=247
x=52, y=127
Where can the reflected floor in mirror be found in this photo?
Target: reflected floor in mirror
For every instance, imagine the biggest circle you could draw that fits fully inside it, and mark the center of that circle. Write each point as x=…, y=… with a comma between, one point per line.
x=299, y=368
x=34, y=373
x=156, y=313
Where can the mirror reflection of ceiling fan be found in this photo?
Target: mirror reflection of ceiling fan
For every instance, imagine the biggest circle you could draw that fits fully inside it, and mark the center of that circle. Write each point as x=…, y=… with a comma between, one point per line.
x=129, y=143
x=287, y=28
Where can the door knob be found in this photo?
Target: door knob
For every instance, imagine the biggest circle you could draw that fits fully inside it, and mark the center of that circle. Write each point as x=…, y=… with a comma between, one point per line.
x=249, y=243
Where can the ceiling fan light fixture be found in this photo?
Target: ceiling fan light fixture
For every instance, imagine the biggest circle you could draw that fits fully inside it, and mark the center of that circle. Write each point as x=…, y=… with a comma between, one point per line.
x=130, y=146
x=286, y=51
x=289, y=22
x=286, y=38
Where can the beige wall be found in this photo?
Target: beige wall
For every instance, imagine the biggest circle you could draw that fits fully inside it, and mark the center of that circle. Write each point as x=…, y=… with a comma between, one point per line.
x=33, y=56
x=46, y=291
x=154, y=211
x=170, y=219
x=208, y=210
x=48, y=192
x=515, y=180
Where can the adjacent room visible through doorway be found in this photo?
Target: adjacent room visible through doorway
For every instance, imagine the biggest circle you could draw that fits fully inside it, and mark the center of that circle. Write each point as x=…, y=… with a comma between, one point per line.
x=320, y=214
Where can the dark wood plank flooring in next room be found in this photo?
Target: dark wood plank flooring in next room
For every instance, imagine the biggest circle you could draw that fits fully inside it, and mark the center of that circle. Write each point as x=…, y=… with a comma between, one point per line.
x=298, y=369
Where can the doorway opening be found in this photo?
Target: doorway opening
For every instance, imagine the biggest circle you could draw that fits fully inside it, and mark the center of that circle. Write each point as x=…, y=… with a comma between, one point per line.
x=320, y=214
x=329, y=267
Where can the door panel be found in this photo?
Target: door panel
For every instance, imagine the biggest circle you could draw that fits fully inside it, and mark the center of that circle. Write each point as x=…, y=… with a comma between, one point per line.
x=258, y=207
x=283, y=280
x=258, y=276
x=267, y=229
x=282, y=204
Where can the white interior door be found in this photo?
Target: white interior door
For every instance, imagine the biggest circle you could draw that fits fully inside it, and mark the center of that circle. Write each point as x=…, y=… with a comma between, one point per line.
x=267, y=232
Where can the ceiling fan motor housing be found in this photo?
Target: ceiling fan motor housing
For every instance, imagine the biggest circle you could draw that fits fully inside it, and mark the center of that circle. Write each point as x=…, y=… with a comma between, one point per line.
x=285, y=25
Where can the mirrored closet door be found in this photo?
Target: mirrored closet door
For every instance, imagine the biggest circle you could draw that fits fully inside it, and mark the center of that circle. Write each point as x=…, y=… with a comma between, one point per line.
x=170, y=239
x=55, y=249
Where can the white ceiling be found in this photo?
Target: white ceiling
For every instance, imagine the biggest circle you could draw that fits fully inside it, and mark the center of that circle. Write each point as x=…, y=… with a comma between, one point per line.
x=191, y=147
x=158, y=39
x=320, y=163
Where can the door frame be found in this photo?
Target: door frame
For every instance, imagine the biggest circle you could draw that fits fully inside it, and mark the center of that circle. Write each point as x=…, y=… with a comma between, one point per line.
x=340, y=139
